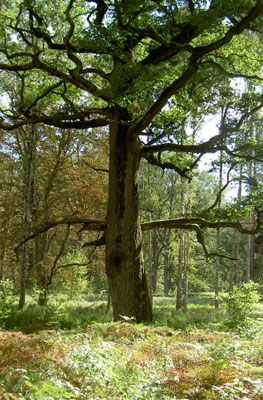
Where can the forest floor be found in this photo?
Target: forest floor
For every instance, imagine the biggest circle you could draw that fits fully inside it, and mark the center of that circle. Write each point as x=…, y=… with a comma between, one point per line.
x=182, y=355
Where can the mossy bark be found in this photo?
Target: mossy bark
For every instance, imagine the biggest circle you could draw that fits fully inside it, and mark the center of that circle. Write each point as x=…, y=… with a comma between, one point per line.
x=124, y=259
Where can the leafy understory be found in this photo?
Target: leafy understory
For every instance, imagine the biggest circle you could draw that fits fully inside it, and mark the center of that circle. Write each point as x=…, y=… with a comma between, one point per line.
x=129, y=361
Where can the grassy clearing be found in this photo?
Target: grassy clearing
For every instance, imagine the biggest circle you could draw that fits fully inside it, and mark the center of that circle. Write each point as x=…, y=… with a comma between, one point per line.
x=180, y=356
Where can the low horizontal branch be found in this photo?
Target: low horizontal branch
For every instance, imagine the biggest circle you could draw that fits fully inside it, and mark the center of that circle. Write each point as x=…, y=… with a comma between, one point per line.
x=196, y=224
x=73, y=265
x=74, y=124
x=206, y=147
x=88, y=224
x=180, y=223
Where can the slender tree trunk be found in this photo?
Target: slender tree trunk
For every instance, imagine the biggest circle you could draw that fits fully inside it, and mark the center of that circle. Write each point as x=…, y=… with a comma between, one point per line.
x=124, y=259
x=248, y=259
x=232, y=268
x=218, y=239
x=180, y=272
x=252, y=169
x=155, y=262
x=185, y=271
x=150, y=264
x=235, y=264
x=40, y=262
x=237, y=261
x=2, y=261
x=166, y=273
x=27, y=212
x=42, y=298
x=149, y=238
x=181, y=250
x=251, y=241
x=252, y=248
x=239, y=196
x=1, y=276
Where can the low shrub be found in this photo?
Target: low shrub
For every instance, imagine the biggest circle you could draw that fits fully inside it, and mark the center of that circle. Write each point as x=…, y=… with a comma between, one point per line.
x=241, y=306
x=6, y=300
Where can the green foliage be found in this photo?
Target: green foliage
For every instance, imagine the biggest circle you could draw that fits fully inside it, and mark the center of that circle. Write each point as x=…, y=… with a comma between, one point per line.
x=59, y=314
x=196, y=318
x=200, y=313
x=52, y=391
x=29, y=316
x=240, y=389
x=241, y=305
x=6, y=300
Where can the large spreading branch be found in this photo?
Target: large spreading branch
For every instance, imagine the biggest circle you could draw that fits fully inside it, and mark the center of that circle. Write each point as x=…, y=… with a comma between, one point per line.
x=185, y=33
x=77, y=120
x=201, y=222
x=87, y=223
x=213, y=145
x=197, y=53
x=197, y=224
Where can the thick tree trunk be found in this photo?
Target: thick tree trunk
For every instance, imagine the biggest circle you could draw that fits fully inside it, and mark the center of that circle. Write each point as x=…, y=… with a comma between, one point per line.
x=124, y=260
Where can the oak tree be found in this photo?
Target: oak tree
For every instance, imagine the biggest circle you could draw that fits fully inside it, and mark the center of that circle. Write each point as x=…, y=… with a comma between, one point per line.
x=129, y=66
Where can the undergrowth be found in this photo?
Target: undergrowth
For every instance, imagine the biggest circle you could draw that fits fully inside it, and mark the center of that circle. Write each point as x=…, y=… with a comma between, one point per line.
x=129, y=361
x=74, y=351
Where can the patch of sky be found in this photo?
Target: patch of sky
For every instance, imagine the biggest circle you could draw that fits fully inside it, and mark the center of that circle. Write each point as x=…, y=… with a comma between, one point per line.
x=4, y=100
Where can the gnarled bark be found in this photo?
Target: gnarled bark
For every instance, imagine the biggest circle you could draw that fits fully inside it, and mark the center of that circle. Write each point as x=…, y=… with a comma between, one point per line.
x=124, y=259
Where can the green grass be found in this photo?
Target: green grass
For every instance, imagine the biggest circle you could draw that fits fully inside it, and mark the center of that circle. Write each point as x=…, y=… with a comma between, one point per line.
x=200, y=313
x=57, y=316
x=73, y=350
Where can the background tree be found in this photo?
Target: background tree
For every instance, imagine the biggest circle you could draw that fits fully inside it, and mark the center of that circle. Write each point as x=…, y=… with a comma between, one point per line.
x=56, y=162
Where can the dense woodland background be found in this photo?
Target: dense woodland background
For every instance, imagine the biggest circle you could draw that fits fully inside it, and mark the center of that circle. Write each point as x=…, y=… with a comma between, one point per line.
x=48, y=173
